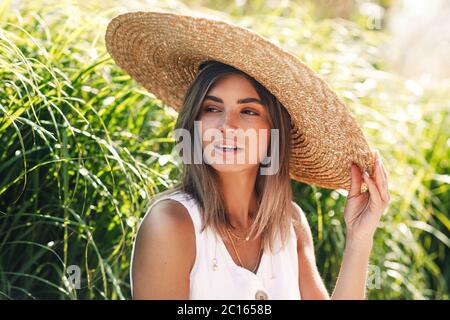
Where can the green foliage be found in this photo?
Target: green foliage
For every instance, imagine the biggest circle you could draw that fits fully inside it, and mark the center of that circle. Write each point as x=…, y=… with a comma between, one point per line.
x=83, y=148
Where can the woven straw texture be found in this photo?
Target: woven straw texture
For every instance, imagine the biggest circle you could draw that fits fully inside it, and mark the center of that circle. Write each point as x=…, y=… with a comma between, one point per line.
x=162, y=52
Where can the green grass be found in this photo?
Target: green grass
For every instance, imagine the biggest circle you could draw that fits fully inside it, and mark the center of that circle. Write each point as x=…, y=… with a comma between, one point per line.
x=83, y=148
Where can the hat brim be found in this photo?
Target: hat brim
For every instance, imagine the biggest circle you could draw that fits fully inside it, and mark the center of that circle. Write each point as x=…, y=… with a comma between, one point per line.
x=162, y=52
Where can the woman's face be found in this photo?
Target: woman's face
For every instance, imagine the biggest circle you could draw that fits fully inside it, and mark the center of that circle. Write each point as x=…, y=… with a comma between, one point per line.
x=235, y=126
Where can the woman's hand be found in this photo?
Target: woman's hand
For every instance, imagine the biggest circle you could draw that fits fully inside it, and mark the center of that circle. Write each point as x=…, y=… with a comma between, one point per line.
x=363, y=210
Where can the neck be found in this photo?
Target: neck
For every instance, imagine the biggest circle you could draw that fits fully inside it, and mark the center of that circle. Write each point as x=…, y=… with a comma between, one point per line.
x=238, y=189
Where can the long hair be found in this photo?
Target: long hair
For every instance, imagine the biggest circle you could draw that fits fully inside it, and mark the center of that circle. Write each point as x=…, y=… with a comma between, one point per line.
x=274, y=192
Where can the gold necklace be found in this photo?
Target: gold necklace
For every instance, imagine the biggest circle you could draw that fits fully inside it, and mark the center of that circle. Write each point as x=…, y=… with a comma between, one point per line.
x=239, y=258
x=246, y=238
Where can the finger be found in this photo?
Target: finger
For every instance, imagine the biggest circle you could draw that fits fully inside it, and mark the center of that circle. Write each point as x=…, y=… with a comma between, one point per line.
x=380, y=180
x=385, y=174
x=355, y=175
x=373, y=190
x=379, y=177
x=383, y=169
x=383, y=177
x=385, y=181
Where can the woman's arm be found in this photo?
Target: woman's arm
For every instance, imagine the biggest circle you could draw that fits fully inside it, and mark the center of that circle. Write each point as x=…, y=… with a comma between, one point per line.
x=351, y=282
x=352, y=276
x=310, y=283
x=362, y=215
x=164, y=253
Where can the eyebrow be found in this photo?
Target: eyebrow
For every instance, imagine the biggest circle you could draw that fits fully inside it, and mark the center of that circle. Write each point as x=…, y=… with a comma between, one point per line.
x=239, y=101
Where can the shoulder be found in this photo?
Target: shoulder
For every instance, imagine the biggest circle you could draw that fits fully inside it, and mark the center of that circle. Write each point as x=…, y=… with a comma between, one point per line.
x=164, y=252
x=167, y=220
x=302, y=228
x=166, y=211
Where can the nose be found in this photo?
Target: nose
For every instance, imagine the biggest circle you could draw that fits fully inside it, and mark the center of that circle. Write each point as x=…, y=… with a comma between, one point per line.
x=229, y=122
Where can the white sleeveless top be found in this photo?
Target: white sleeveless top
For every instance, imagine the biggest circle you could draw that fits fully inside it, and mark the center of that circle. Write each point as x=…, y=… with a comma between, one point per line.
x=275, y=278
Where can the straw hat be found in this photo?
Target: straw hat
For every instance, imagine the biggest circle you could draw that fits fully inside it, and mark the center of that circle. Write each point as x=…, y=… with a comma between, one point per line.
x=162, y=52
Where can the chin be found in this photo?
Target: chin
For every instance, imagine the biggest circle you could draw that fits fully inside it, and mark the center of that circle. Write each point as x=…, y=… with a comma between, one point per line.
x=233, y=168
x=219, y=164
x=230, y=167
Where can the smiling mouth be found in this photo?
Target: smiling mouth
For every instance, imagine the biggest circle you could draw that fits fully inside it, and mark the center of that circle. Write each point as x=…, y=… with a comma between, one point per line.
x=224, y=148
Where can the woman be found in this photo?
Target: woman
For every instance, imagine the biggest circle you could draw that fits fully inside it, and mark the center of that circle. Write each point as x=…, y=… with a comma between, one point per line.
x=230, y=230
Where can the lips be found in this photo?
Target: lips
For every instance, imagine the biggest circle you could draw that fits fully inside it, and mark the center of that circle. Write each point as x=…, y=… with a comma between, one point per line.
x=228, y=146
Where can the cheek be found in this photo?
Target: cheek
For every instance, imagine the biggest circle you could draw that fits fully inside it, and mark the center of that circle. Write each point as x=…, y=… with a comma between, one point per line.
x=259, y=147
x=206, y=125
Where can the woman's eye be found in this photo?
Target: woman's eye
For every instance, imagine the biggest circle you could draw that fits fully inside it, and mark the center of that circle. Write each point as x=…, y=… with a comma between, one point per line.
x=215, y=110
x=211, y=109
x=250, y=112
